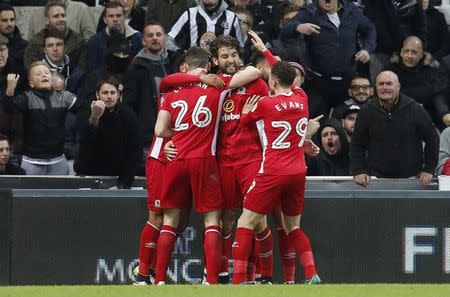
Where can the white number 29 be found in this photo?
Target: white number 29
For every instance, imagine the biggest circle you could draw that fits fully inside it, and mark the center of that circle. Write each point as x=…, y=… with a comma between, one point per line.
x=280, y=143
x=199, y=109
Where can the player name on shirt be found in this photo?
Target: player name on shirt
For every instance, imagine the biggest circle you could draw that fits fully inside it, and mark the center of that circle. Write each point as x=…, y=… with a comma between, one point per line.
x=197, y=84
x=289, y=105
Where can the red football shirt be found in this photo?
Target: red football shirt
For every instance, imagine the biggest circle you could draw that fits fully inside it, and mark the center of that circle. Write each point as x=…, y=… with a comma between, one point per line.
x=239, y=144
x=195, y=111
x=282, y=122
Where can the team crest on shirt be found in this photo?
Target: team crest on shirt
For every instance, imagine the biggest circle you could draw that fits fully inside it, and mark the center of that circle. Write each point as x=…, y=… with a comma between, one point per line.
x=225, y=25
x=228, y=105
x=241, y=91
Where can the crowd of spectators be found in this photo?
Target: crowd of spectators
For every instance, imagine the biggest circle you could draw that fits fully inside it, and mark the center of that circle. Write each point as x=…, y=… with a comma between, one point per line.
x=377, y=70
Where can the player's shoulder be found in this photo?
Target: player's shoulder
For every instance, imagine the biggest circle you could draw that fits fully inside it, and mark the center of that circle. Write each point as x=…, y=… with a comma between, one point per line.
x=258, y=85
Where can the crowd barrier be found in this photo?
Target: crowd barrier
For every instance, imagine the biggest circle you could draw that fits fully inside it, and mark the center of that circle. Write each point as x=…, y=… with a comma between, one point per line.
x=76, y=236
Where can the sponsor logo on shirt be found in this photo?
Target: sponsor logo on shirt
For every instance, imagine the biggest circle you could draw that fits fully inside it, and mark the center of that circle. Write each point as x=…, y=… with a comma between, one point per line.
x=228, y=105
x=230, y=117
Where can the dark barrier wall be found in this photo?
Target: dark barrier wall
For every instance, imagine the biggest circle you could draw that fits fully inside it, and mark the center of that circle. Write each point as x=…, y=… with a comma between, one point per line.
x=5, y=239
x=91, y=237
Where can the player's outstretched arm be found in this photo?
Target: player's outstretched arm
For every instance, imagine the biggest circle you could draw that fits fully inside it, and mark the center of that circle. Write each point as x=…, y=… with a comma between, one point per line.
x=245, y=76
x=162, y=125
x=175, y=80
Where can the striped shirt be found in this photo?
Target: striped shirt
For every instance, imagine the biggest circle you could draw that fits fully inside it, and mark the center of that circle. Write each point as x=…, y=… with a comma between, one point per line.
x=194, y=22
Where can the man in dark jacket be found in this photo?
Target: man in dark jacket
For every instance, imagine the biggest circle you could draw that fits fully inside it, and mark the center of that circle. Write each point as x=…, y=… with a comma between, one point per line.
x=421, y=78
x=387, y=141
x=333, y=159
x=331, y=28
x=109, y=140
x=141, y=84
x=9, y=29
x=115, y=22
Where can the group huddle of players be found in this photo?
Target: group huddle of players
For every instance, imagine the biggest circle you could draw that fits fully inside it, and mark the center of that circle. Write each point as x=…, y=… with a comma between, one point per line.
x=229, y=142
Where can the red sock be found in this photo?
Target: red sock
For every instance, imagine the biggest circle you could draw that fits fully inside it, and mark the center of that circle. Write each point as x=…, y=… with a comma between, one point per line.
x=255, y=259
x=265, y=256
x=213, y=253
x=226, y=252
x=147, y=248
x=251, y=264
x=166, y=243
x=303, y=250
x=287, y=254
x=241, y=250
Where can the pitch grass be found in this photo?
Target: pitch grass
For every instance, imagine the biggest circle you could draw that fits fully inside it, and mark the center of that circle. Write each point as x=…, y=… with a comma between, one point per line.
x=373, y=290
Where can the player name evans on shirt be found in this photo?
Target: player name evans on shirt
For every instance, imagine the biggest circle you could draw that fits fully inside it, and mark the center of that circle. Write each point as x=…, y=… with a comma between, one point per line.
x=288, y=105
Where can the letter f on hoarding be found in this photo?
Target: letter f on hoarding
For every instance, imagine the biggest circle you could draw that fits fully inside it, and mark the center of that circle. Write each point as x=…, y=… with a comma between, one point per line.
x=411, y=249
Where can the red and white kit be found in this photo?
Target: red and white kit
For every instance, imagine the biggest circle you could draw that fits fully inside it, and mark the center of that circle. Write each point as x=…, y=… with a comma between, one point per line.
x=282, y=122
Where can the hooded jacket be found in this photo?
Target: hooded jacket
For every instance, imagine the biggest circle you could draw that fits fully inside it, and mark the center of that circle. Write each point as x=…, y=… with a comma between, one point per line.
x=389, y=144
x=97, y=46
x=330, y=165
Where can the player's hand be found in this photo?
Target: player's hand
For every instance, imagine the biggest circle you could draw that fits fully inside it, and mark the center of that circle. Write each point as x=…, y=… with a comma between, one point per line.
x=250, y=103
x=170, y=151
x=310, y=148
x=97, y=109
x=362, y=179
x=308, y=29
x=257, y=41
x=424, y=178
x=362, y=56
x=212, y=80
x=313, y=126
x=11, y=83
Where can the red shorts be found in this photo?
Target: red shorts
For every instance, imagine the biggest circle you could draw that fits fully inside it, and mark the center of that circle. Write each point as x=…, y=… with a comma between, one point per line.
x=268, y=191
x=235, y=181
x=154, y=170
x=192, y=179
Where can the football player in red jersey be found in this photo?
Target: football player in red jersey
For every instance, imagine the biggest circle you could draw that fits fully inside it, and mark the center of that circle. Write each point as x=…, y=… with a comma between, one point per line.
x=190, y=115
x=238, y=152
x=283, y=122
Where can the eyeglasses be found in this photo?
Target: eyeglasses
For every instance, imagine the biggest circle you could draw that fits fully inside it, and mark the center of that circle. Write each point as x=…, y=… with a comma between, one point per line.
x=244, y=22
x=356, y=87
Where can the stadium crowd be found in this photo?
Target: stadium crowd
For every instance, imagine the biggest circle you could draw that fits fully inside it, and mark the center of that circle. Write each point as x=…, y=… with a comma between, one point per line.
x=83, y=94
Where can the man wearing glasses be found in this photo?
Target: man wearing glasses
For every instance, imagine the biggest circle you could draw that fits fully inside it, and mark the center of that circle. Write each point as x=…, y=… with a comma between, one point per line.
x=359, y=91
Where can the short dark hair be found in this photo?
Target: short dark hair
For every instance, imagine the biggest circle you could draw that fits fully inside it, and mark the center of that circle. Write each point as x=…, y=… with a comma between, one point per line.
x=110, y=80
x=359, y=75
x=48, y=32
x=284, y=73
x=7, y=7
x=3, y=137
x=224, y=41
x=51, y=4
x=113, y=4
x=153, y=23
x=257, y=57
x=196, y=57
